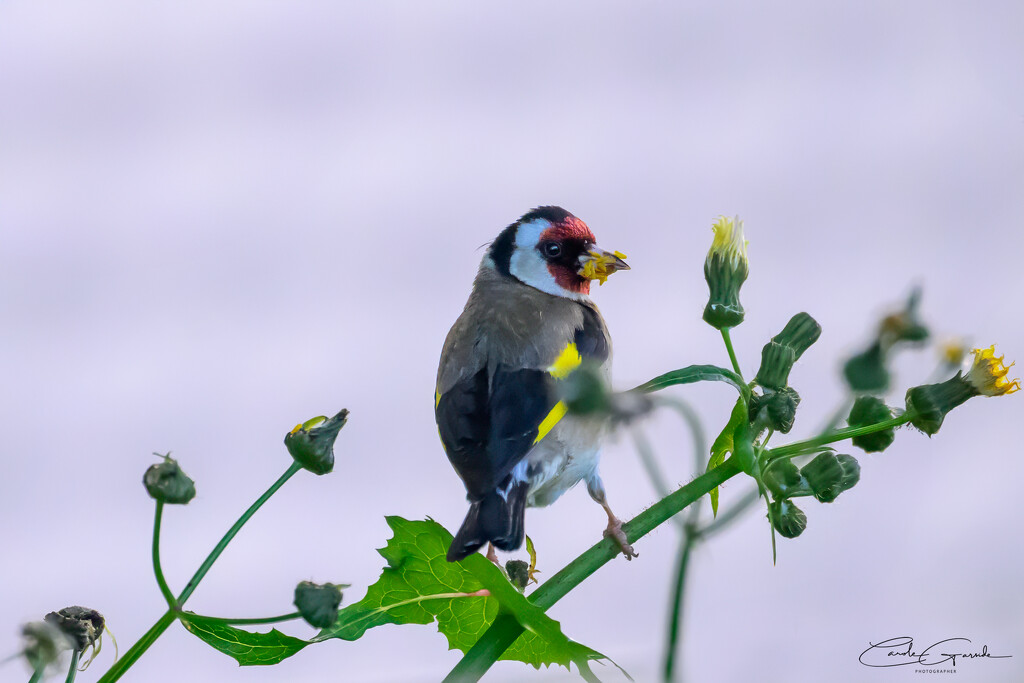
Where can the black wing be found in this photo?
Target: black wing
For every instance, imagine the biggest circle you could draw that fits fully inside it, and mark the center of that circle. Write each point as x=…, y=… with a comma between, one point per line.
x=488, y=426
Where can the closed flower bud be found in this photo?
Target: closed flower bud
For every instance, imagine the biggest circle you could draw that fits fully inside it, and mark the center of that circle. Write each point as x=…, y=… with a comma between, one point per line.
x=43, y=643
x=929, y=404
x=799, y=333
x=311, y=443
x=82, y=626
x=868, y=410
x=785, y=349
x=789, y=520
x=584, y=391
x=775, y=409
x=318, y=603
x=784, y=480
x=905, y=325
x=725, y=269
x=866, y=372
x=167, y=483
x=830, y=474
x=518, y=573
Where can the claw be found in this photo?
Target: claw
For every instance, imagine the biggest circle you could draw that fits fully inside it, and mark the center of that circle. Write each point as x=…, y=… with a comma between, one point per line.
x=615, y=532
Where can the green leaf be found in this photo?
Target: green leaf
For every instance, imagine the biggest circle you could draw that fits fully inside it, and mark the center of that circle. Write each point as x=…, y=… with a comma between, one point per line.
x=723, y=445
x=695, y=373
x=248, y=649
x=420, y=586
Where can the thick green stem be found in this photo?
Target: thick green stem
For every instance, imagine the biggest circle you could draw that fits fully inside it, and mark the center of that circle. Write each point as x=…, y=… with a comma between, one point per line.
x=505, y=629
x=676, y=608
x=732, y=354
x=799, y=447
x=73, y=669
x=233, y=531
x=139, y=648
x=37, y=675
x=157, y=569
x=254, y=620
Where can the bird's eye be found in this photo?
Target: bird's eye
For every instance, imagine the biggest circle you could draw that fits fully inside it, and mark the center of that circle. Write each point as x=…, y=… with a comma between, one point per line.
x=552, y=249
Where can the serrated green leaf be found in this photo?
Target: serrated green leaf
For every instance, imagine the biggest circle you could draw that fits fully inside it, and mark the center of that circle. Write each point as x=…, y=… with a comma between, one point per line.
x=723, y=445
x=420, y=586
x=247, y=648
x=695, y=373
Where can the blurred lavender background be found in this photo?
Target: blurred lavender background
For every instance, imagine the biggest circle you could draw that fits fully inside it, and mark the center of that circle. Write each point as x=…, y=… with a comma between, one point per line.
x=218, y=219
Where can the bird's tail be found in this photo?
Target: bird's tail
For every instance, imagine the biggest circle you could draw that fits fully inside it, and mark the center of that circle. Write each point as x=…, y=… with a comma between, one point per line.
x=494, y=518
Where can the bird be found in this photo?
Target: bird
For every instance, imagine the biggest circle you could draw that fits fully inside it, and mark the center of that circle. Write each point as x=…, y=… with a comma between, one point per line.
x=529, y=322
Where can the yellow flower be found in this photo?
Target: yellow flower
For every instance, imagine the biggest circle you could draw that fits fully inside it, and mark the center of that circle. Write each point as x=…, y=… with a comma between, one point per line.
x=988, y=374
x=728, y=241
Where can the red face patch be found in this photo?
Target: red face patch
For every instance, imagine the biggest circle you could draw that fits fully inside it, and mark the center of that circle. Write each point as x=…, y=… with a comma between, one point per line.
x=572, y=232
x=570, y=228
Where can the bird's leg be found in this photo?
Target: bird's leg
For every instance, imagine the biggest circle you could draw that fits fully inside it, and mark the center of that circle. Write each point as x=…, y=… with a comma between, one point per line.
x=595, y=487
x=492, y=555
x=615, y=532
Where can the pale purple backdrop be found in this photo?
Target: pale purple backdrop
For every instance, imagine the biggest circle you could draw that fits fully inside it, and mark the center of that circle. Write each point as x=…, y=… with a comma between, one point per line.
x=218, y=219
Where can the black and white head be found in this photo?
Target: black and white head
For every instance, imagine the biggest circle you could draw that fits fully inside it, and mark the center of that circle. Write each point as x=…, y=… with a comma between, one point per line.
x=553, y=251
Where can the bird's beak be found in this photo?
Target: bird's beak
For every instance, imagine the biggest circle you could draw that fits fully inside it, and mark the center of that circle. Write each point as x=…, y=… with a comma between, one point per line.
x=598, y=264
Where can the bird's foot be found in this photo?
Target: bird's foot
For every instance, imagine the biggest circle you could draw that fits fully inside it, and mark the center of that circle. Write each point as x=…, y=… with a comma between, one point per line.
x=615, y=532
x=492, y=555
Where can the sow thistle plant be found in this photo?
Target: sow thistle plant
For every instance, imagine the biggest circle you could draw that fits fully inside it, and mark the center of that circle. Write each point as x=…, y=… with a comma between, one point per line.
x=489, y=612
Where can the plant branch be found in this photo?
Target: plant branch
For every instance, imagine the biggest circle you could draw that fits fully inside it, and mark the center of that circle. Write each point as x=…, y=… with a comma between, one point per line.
x=727, y=338
x=233, y=531
x=73, y=669
x=801, y=447
x=139, y=648
x=505, y=629
x=676, y=606
x=157, y=569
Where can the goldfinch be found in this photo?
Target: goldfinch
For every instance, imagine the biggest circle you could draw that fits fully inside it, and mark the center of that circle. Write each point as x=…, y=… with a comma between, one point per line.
x=528, y=323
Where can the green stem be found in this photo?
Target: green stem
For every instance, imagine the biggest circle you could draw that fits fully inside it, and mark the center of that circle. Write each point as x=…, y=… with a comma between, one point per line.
x=139, y=648
x=676, y=610
x=505, y=629
x=157, y=569
x=233, y=531
x=255, y=620
x=73, y=669
x=800, y=447
x=37, y=675
x=732, y=354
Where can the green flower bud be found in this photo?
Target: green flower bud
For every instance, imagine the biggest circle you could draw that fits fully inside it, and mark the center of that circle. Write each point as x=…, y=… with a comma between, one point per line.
x=903, y=326
x=43, y=644
x=166, y=482
x=789, y=520
x=318, y=603
x=785, y=348
x=784, y=480
x=584, y=391
x=929, y=404
x=311, y=443
x=82, y=626
x=868, y=410
x=799, y=333
x=518, y=573
x=866, y=372
x=775, y=409
x=776, y=362
x=725, y=269
x=830, y=474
